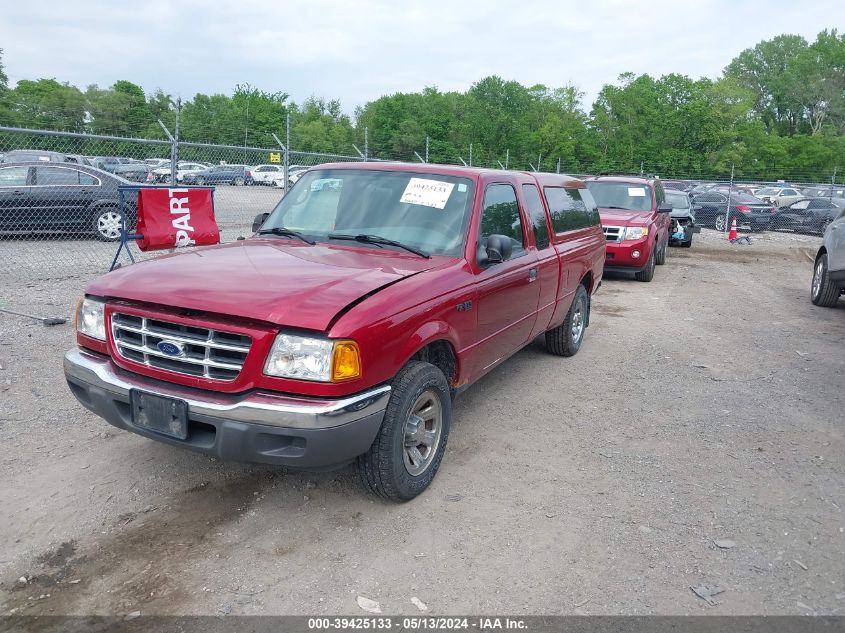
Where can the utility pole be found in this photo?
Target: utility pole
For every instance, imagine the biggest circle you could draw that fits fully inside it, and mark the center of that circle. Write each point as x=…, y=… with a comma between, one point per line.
x=286, y=167
x=426, y=148
x=470, y=154
x=539, y=161
x=558, y=164
x=728, y=210
x=642, y=171
x=507, y=157
x=366, y=143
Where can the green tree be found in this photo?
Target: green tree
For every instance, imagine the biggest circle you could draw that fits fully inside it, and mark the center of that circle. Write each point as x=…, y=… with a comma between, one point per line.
x=48, y=104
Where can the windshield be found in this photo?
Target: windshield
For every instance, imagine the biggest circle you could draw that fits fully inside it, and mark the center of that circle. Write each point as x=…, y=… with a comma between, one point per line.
x=677, y=200
x=429, y=212
x=620, y=195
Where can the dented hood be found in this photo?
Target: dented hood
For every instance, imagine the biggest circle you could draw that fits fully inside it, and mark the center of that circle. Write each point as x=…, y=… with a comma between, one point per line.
x=274, y=279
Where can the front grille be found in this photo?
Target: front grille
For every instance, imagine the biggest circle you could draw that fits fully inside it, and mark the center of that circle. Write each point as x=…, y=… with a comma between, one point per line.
x=613, y=233
x=198, y=351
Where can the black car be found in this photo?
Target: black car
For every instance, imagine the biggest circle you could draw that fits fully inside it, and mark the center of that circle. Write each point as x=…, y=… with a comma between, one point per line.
x=810, y=215
x=683, y=218
x=220, y=174
x=136, y=172
x=42, y=196
x=710, y=209
x=41, y=155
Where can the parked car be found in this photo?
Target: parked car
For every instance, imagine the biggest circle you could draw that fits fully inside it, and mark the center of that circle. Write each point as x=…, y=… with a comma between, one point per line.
x=345, y=327
x=683, y=218
x=136, y=172
x=711, y=209
x=779, y=196
x=157, y=162
x=829, y=267
x=273, y=175
x=107, y=163
x=33, y=155
x=809, y=215
x=636, y=221
x=828, y=191
x=221, y=174
x=42, y=196
x=162, y=174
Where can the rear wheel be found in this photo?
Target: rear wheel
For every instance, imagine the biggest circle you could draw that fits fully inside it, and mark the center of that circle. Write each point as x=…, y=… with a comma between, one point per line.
x=824, y=292
x=409, y=447
x=647, y=273
x=107, y=224
x=565, y=339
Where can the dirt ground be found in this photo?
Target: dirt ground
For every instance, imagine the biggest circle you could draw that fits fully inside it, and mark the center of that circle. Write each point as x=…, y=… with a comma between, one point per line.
x=705, y=406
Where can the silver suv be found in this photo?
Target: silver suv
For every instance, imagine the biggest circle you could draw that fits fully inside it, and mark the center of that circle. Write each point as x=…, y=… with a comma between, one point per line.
x=829, y=270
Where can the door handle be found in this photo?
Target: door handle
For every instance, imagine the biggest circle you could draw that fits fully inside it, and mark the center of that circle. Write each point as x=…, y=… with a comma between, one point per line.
x=532, y=274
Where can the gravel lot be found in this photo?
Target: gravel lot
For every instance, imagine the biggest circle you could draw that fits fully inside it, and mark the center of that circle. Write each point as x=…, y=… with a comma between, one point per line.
x=705, y=406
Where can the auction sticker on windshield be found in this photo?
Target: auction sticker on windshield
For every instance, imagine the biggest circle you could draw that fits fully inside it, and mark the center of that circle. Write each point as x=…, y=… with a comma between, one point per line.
x=427, y=193
x=636, y=192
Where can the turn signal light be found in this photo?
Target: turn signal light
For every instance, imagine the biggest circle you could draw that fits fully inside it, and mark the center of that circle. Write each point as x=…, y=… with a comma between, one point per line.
x=346, y=361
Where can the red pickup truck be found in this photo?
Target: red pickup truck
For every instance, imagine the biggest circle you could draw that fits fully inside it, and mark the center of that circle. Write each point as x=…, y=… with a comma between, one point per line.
x=366, y=301
x=637, y=223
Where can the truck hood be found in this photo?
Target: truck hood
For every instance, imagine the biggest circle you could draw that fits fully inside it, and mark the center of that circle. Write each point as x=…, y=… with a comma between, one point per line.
x=273, y=280
x=620, y=217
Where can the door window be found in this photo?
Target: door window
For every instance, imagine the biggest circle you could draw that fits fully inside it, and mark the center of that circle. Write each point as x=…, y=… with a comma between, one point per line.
x=569, y=210
x=801, y=205
x=56, y=176
x=501, y=216
x=13, y=176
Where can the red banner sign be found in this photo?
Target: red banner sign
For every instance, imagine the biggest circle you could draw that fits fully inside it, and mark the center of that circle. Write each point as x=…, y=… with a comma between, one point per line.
x=172, y=218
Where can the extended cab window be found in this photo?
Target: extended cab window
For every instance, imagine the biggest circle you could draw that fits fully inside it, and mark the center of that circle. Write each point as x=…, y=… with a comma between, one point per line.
x=428, y=211
x=537, y=213
x=570, y=209
x=500, y=216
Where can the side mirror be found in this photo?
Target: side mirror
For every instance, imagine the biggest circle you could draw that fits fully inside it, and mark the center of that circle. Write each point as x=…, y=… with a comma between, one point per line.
x=494, y=249
x=258, y=221
x=664, y=208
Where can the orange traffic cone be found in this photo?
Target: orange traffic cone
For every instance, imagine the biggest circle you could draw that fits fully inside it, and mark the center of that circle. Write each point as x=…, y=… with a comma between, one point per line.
x=732, y=232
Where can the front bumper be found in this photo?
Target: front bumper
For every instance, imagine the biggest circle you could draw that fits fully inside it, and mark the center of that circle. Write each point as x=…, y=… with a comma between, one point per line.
x=619, y=256
x=254, y=427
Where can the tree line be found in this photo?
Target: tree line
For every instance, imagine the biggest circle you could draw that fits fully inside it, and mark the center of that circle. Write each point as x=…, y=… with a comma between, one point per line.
x=777, y=111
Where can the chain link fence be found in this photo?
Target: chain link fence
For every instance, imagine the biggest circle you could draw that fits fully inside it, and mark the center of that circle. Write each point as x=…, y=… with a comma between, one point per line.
x=59, y=220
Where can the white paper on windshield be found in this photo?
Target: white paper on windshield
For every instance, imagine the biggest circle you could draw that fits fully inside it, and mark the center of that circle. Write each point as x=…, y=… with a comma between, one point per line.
x=427, y=193
x=636, y=192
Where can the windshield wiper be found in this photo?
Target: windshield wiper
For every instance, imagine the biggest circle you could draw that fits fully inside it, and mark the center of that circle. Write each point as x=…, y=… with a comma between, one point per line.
x=375, y=239
x=286, y=233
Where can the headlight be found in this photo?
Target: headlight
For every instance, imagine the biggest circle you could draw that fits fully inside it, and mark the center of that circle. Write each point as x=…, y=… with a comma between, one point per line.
x=635, y=232
x=90, y=318
x=317, y=359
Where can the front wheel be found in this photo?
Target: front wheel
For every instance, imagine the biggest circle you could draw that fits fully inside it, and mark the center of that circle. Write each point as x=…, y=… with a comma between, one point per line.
x=107, y=224
x=720, y=222
x=409, y=447
x=661, y=256
x=647, y=273
x=824, y=292
x=565, y=339
x=238, y=182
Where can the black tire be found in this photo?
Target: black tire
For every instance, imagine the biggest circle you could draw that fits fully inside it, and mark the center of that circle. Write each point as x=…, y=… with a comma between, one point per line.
x=238, y=182
x=382, y=469
x=661, y=256
x=105, y=223
x=647, y=273
x=566, y=339
x=823, y=291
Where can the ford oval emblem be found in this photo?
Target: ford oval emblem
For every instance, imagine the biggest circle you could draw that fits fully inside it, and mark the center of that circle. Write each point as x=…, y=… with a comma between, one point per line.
x=171, y=348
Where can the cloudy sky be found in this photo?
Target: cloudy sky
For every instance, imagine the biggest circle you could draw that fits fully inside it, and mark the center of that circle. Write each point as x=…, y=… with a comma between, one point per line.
x=358, y=50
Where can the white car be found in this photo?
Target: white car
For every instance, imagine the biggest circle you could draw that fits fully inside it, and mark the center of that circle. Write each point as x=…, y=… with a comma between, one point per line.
x=268, y=175
x=779, y=196
x=162, y=174
x=157, y=162
x=829, y=268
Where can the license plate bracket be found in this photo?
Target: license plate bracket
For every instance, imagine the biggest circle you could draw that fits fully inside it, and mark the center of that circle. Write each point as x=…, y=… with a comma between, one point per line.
x=167, y=416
